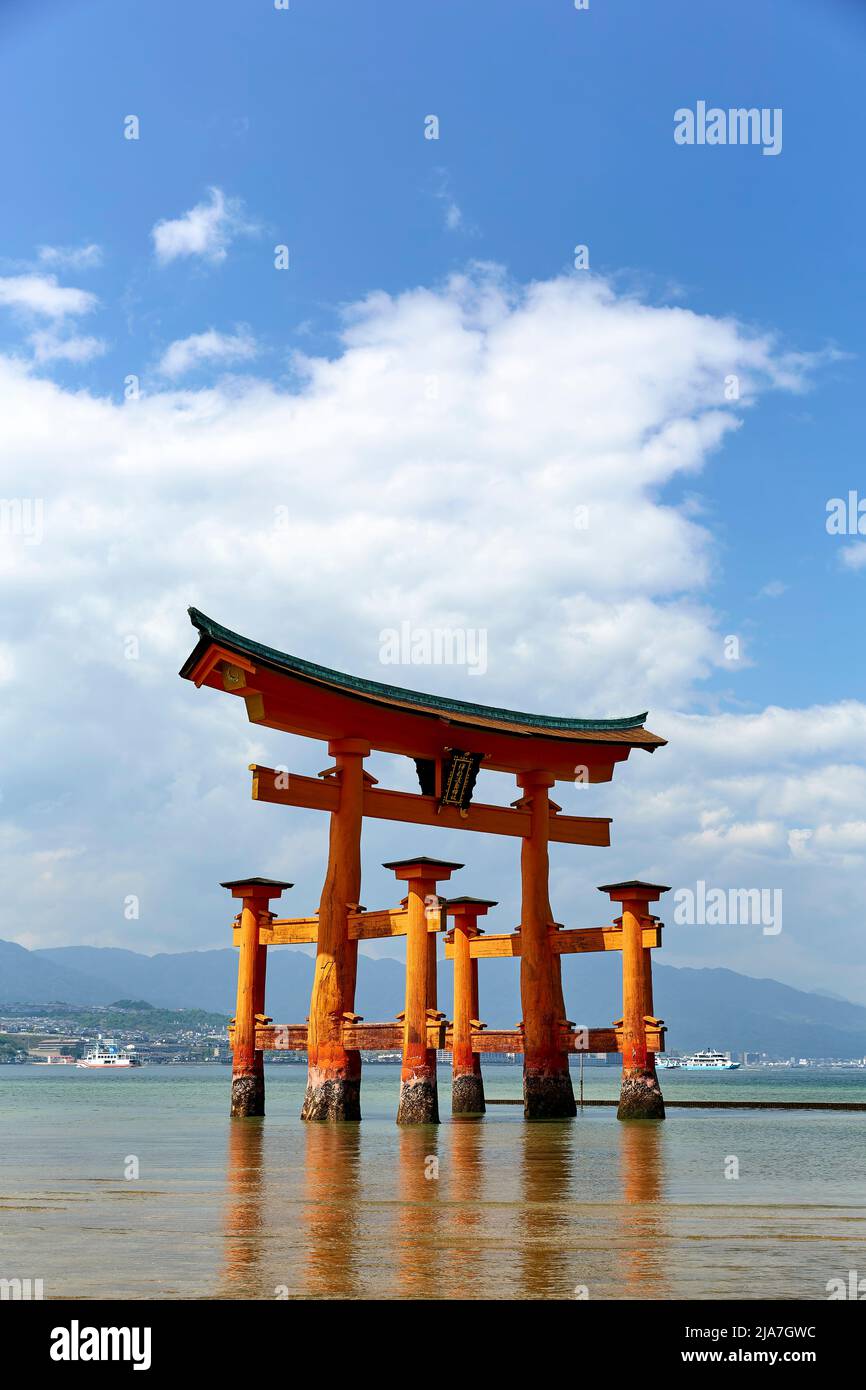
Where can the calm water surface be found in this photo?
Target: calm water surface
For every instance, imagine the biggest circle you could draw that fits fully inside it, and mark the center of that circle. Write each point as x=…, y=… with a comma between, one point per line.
x=246, y=1208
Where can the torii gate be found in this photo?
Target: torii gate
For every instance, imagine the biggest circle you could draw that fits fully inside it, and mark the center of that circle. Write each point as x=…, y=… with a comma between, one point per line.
x=448, y=740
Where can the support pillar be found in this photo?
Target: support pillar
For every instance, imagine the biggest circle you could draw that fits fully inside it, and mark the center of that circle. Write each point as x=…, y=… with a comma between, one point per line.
x=334, y=1073
x=419, y=1098
x=640, y=1093
x=547, y=1088
x=467, y=1082
x=248, y=1071
x=557, y=959
x=649, y=1008
x=259, y=1012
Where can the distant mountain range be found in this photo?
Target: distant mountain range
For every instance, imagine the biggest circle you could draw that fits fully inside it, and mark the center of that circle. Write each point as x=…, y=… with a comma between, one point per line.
x=717, y=1008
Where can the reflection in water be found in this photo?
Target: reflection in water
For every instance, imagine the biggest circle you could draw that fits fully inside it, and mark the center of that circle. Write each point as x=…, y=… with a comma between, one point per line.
x=644, y=1269
x=463, y=1184
x=468, y=1209
x=333, y=1211
x=549, y=1163
x=244, y=1226
x=418, y=1264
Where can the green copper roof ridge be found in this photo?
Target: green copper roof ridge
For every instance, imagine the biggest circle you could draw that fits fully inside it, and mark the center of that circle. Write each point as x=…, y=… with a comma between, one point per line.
x=361, y=686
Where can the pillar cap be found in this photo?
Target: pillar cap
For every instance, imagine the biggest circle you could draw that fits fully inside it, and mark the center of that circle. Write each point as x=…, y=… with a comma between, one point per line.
x=468, y=907
x=263, y=887
x=422, y=867
x=634, y=889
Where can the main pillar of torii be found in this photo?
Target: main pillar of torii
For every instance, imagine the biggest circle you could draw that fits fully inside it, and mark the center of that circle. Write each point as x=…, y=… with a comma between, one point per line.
x=547, y=1089
x=334, y=1073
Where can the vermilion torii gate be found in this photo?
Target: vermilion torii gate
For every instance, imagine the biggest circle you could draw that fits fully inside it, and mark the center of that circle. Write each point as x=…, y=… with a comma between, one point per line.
x=449, y=740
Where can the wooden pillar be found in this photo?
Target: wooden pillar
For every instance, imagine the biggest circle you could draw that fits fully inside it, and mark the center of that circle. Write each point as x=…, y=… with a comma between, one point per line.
x=334, y=1074
x=248, y=1073
x=476, y=1007
x=648, y=995
x=259, y=1012
x=557, y=959
x=640, y=1093
x=432, y=971
x=467, y=1082
x=419, y=1098
x=547, y=1089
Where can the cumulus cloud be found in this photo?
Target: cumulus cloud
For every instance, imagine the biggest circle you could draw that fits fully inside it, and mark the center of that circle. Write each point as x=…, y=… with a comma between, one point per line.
x=41, y=294
x=85, y=257
x=480, y=456
x=50, y=347
x=206, y=230
x=184, y=354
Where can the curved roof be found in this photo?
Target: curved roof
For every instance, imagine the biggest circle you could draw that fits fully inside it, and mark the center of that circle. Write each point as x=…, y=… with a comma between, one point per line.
x=630, y=728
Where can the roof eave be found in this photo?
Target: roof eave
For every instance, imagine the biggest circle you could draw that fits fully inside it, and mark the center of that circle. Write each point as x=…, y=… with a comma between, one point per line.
x=212, y=634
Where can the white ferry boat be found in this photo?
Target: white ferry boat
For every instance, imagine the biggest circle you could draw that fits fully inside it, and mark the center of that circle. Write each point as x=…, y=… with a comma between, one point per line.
x=104, y=1056
x=708, y=1060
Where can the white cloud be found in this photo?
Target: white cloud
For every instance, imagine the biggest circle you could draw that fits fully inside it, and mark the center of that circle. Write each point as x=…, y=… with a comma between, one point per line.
x=85, y=257
x=854, y=556
x=430, y=471
x=206, y=230
x=41, y=294
x=774, y=589
x=186, y=353
x=48, y=347
x=452, y=213
x=798, y=841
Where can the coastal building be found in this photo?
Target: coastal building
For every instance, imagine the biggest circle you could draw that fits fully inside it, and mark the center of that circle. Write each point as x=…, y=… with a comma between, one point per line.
x=53, y=1048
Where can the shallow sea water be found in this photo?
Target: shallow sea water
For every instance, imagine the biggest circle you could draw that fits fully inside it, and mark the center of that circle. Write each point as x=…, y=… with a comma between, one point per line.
x=488, y=1209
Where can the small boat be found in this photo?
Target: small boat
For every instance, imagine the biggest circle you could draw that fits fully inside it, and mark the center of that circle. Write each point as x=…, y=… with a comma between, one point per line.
x=708, y=1060
x=103, y=1056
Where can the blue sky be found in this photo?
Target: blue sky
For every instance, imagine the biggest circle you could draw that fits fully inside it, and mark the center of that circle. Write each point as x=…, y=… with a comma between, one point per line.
x=556, y=128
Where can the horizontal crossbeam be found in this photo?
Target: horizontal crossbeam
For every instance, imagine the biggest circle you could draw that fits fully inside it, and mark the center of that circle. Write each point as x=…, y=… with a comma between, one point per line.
x=571, y=1039
x=372, y=926
x=323, y=794
x=283, y=931
x=562, y=942
x=363, y=926
x=388, y=1037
